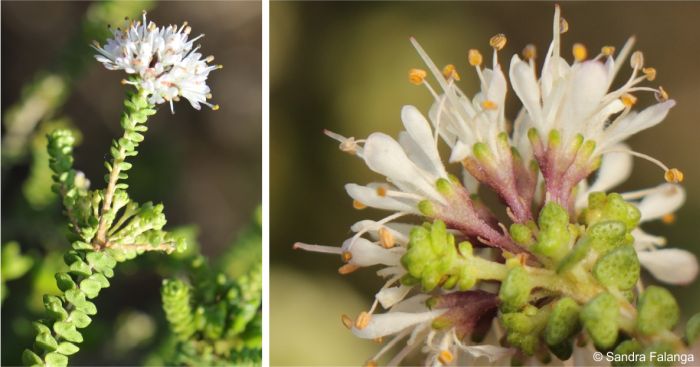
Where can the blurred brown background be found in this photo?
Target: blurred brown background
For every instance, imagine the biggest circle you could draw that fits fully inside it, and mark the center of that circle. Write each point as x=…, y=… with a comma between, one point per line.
x=343, y=66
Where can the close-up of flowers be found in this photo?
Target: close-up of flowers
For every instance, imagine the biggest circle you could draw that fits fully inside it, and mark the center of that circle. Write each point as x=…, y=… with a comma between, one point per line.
x=553, y=272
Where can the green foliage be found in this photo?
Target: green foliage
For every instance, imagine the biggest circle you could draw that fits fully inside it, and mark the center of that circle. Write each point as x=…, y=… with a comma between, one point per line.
x=14, y=265
x=215, y=317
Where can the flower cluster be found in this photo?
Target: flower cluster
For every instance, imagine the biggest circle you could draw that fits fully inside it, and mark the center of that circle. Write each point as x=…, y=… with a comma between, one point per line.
x=464, y=285
x=164, y=63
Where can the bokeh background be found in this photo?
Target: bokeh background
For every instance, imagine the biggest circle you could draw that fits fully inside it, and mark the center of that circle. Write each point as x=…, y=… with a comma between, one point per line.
x=343, y=66
x=205, y=166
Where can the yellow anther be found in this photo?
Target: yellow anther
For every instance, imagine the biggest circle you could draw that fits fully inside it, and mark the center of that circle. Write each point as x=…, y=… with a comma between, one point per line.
x=378, y=340
x=386, y=238
x=674, y=175
x=498, y=41
x=346, y=256
x=381, y=191
x=215, y=107
x=358, y=205
x=208, y=96
x=371, y=363
x=188, y=29
x=347, y=321
x=96, y=44
x=661, y=95
x=563, y=25
x=445, y=357
x=607, y=50
x=529, y=52
x=124, y=82
x=416, y=76
x=669, y=218
x=363, y=320
x=475, y=58
x=449, y=71
x=488, y=105
x=628, y=100
x=580, y=52
x=209, y=58
x=650, y=73
x=637, y=60
x=347, y=269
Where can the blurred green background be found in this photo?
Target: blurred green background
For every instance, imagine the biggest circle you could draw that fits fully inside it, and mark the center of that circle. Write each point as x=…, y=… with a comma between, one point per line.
x=205, y=166
x=343, y=66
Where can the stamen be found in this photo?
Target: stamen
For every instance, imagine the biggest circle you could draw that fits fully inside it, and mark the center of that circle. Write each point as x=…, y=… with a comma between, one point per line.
x=498, y=41
x=209, y=58
x=346, y=256
x=188, y=29
x=445, y=357
x=378, y=340
x=347, y=321
x=529, y=52
x=347, y=269
x=371, y=363
x=416, y=76
x=449, y=71
x=637, y=60
x=363, y=320
x=661, y=95
x=381, y=191
x=489, y=105
x=347, y=145
x=607, y=50
x=386, y=238
x=650, y=73
x=563, y=25
x=628, y=100
x=580, y=52
x=215, y=107
x=669, y=218
x=674, y=175
x=317, y=248
x=475, y=58
x=358, y=205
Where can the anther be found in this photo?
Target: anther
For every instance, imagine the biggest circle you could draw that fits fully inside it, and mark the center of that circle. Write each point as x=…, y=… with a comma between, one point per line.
x=416, y=76
x=449, y=71
x=650, y=73
x=96, y=44
x=347, y=321
x=347, y=269
x=363, y=320
x=209, y=58
x=607, y=50
x=580, y=52
x=628, y=100
x=124, y=82
x=215, y=107
x=188, y=29
x=371, y=363
x=386, y=238
x=208, y=96
x=669, y=218
x=445, y=357
x=358, y=205
x=498, y=41
x=674, y=175
x=563, y=25
x=488, y=105
x=661, y=95
x=475, y=58
x=637, y=60
x=378, y=340
x=346, y=256
x=381, y=191
x=529, y=52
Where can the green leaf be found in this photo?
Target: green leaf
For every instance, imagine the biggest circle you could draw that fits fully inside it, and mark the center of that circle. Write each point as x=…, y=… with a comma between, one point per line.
x=46, y=342
x=67, y=331
x=54, y=307
x=90, y=287
x=64, y=281
x=30, y=358
x=80, y=268
x=80, y=319
x=68, y=348
x=56, y=360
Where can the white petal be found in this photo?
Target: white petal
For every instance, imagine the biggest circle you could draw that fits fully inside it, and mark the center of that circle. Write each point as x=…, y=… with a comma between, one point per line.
x=391, y=295
x=492, y=352
x=645, y=241
x=392, y=322
x=366, y=253
x=471, y=183
x=460, y=151
x=524, y=83
x=615, y=168
x=665, y=199
x=588, y=86
x=369, y=196
x=400, y=231
x=672, y=265
x=636, y=122
x=419, y=129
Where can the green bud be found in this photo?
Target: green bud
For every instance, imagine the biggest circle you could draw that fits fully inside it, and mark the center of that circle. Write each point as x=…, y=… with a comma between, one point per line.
x=515, y=290
x=628, y=347
x=577, y=253
x=563, y=350
x=659, y=349
x=657, y=311
x=618, y=268
x=599, y=317
x=553, y=238
x=482, y=152
x=610, y=207
x=444, y=187
x=606, y=235
x=563, y=322
x=692, y=329
x=522, y=234
x=554, y=138
x=426, y=208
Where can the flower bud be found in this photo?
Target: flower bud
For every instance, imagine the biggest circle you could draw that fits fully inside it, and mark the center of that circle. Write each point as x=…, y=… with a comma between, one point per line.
x=610, y=207
x=692, y=329
x=521, y=234
x=657, y=311
x=599, y=317
x=553, y=238
x=606, y=235
x=563, y=322
x=618, y=268
x=627, y=348
x=515, y=290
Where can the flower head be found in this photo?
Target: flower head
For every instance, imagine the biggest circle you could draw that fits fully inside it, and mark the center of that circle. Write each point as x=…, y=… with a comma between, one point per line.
x=570, y=258
x=162, y=61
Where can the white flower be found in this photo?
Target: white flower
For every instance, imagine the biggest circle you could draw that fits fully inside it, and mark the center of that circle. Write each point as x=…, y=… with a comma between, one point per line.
x=164, y=63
